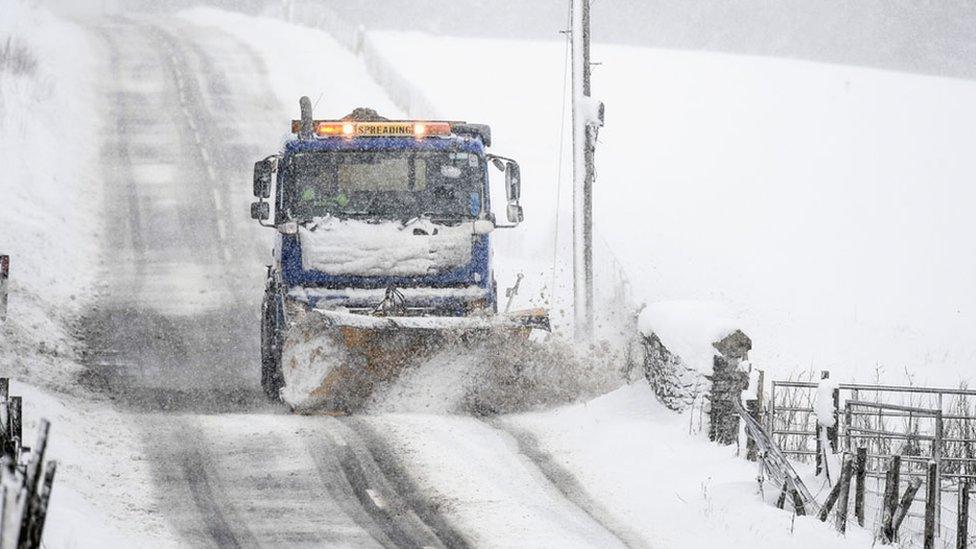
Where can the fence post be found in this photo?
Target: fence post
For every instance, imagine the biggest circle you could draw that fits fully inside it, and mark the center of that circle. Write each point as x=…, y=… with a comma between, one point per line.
x=16, y=420
x=861, y=470
x=5, y=435
x=781, y=501
x=890, y=501
x=829, y=502
x=832, y=432
x=962, y=522
x=755, y=408
x=819, y=448
x=4, y=275
x=906, y=502
x=728, y=382
x=848, y=419
x=937, y=458
x=931, y=503
x=39, y=512
x=845, y=490
x=798, y=507
x=32, y=482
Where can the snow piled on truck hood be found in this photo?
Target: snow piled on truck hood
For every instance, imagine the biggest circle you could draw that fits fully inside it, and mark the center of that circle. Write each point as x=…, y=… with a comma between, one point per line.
x=353, y=247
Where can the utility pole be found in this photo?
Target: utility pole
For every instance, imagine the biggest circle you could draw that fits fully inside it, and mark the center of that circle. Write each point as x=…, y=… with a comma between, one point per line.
x=587, y=118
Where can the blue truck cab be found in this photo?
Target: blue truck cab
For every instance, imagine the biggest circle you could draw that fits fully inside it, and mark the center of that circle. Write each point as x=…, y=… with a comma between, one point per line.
x=378, y=217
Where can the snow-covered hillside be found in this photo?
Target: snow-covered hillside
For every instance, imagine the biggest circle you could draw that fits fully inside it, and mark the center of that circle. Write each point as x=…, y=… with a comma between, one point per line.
x=824, y=207
x=50, y=193
x=50, y=225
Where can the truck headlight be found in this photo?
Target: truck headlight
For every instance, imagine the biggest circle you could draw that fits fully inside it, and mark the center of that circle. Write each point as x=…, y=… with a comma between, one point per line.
x=288, y=227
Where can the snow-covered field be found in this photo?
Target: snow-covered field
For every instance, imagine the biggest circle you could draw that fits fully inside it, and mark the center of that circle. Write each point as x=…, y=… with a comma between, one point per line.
x=825, y=208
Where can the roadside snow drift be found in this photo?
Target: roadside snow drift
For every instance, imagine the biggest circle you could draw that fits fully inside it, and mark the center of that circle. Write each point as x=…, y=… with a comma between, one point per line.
x=637, y=463
x=50, y=225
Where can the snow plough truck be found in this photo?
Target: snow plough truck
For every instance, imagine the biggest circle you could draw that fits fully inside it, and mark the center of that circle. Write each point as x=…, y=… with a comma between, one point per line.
x=382, y=254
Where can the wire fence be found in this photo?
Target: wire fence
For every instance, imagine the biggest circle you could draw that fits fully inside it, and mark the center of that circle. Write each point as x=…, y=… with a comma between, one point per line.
x=922, y=425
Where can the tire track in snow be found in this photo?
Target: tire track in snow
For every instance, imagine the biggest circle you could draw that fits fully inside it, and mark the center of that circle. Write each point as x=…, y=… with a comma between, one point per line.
x=395, y=472
x=216, y=523
x=566, y=483
x=391, y=508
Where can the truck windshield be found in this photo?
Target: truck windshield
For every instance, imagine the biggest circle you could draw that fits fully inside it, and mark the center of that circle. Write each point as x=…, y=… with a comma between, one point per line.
x=383, y=184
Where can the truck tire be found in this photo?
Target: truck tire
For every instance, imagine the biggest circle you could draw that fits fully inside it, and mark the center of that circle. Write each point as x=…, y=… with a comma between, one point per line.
x=271, y=378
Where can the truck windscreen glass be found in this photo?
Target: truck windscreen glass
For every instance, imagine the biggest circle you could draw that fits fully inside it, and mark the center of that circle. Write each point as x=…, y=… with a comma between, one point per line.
x=383, y=184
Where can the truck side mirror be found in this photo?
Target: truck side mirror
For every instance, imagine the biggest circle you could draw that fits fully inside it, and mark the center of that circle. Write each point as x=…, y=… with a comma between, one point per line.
x=515, y=214
x=262, y=178
x=260, y=211
x=513, y=182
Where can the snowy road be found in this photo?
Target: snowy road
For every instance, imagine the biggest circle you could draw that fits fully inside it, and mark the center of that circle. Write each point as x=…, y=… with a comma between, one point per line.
x=174, y=337
x=177, y=331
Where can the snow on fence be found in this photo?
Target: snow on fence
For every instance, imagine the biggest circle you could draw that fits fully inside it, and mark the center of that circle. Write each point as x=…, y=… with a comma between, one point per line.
x=25, y=480
x=898, y=439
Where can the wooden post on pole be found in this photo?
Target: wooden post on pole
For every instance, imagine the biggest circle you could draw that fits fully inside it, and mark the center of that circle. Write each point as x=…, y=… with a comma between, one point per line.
x=860, y=467
x=962, y=521
x=931, y=502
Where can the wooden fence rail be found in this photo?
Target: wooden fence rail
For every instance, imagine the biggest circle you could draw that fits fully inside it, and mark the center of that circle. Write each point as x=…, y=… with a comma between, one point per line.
x=25, y=480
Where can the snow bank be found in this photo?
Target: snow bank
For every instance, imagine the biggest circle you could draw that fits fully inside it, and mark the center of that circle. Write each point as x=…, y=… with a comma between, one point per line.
x=49, y=194
x=354, y=247
x=688, y=329
x=636, y=461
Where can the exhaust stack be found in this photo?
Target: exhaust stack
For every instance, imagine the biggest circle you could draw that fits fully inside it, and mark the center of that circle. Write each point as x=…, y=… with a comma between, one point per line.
x=305, y=131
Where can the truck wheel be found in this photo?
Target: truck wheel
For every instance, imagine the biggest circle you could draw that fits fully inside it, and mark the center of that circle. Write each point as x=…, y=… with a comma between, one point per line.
x=271, y=378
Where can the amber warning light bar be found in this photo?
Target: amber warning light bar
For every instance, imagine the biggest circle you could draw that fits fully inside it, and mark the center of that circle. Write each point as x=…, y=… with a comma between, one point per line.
x=341, y=128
